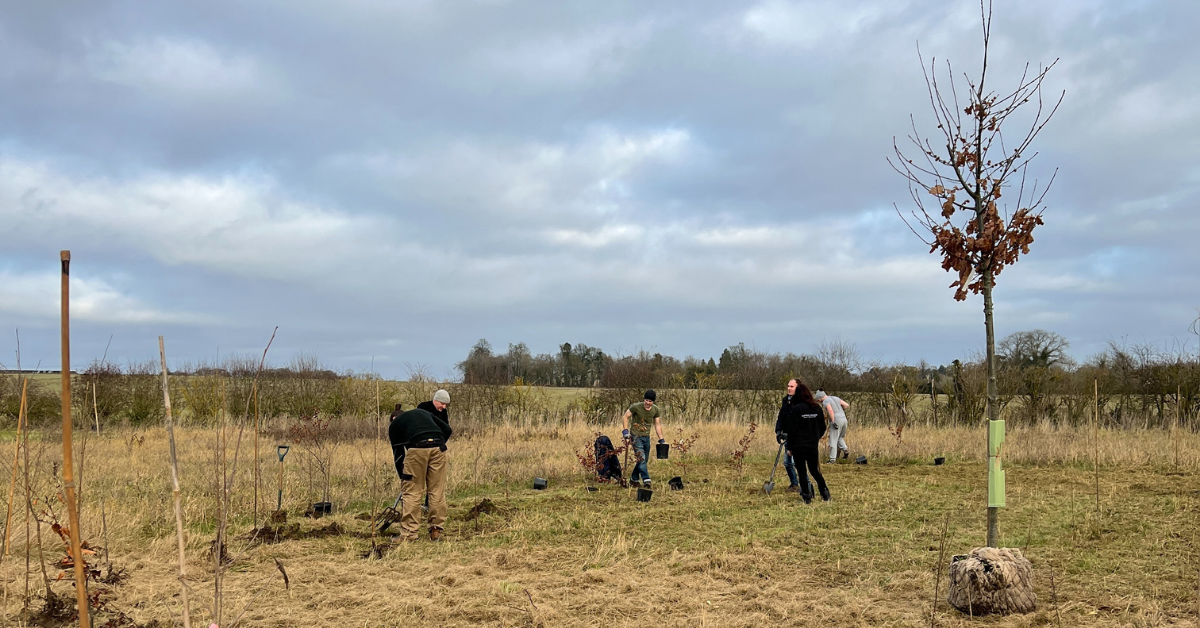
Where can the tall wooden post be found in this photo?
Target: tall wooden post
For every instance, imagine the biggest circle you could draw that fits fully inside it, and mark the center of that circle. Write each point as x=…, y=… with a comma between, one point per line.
x=183, y=588
x=81, y=596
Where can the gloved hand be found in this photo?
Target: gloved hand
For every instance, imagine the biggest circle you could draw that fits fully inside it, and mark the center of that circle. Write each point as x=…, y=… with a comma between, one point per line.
x=662, y=441
x=625, y=434
x=781, y=437
x=407, y=477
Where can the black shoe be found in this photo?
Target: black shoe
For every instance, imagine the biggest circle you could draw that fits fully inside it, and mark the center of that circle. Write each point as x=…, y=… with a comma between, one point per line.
x=845, y=454
x=806, y=497
x=825, y=493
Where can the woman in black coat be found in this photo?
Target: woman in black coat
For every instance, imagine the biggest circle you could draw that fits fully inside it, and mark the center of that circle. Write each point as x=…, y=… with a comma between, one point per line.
x=805, y=425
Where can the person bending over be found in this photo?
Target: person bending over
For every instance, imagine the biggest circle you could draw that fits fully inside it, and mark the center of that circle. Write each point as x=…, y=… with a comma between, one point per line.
x=643, y=415
x=835, y=410
x=438, y=406
x=804, y=426
x=419, y=448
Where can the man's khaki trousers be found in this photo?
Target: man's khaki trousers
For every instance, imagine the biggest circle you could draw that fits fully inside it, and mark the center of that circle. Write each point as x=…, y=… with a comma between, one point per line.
x=427, y=467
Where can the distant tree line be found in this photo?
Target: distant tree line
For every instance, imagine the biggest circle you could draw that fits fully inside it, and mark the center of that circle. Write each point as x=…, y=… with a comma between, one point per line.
x=1039, y=381
x=1130, y=385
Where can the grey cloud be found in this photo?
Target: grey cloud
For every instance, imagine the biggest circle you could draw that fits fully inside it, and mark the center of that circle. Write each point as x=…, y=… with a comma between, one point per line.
x=400, y=179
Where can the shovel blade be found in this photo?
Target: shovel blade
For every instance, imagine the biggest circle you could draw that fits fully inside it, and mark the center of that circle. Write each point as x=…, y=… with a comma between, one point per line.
x=768, y=487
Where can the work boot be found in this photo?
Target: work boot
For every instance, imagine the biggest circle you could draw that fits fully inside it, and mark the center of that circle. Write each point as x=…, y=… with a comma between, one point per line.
x=845, y=454
x=435, y=534
x=795, y=488
x=647, y=483
x=825, y=493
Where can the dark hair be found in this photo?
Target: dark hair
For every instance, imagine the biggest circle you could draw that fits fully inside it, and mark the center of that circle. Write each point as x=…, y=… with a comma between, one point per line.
x=399, y=407
x=804, y=394
x=651, y=395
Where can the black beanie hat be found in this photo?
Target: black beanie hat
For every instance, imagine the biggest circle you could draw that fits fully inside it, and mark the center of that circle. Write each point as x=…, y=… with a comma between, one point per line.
x=651, y=395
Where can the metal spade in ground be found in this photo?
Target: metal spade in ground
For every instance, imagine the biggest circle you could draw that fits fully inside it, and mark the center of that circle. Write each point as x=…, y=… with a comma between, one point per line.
x=280, y=516
x=770, y=484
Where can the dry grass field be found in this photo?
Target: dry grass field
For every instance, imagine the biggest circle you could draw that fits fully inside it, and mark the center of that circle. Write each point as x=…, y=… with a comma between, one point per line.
x=718, y=553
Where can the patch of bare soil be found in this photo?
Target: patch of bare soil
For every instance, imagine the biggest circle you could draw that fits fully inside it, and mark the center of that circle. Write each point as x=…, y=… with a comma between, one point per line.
x=268, y=535
x=484, y=507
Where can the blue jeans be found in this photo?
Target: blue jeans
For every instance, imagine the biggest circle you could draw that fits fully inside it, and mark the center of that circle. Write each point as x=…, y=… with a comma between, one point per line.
x=641, y=448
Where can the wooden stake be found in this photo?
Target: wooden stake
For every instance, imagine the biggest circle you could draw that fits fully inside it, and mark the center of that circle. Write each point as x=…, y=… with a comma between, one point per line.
x=95, y=408
x=81, y=596
x=933, y=398
x=222, y=513
x=12, y=483
x=254, y=392
x=1096, y=438
x=183, y=589
x=1178, y=422
x=375, y=468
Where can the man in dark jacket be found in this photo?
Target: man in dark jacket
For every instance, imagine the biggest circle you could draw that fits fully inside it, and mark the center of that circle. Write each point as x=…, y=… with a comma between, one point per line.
x=419, y=448
x=789, y=463
x=805, y=425
x=438, y=406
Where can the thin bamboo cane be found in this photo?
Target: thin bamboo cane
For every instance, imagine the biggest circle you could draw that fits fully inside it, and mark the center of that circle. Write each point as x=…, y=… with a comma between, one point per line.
x=81, y=595
x=183, y=592
x=12, y=483
x=1096, y=438
x=222, y=513
x=95, y=409
x=254, y=392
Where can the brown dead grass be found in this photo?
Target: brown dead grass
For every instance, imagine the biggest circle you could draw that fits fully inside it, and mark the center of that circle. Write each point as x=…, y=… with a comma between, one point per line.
x=717, y=553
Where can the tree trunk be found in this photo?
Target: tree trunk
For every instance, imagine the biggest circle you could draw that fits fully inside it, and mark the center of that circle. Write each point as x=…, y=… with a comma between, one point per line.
x=993, y=410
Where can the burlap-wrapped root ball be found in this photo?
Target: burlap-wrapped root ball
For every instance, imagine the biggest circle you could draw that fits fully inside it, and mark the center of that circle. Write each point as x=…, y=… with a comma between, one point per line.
x=991, y=580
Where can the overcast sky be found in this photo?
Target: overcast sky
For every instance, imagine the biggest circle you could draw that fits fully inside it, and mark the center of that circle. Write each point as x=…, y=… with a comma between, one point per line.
x=392, y=181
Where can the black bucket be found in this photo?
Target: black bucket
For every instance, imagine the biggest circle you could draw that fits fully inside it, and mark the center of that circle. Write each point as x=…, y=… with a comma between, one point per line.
x=676, y=483
x=940, y=460
x=539, y=484
x=644, y=494
x=661, y=450
x=860, y=460
x=322, y=508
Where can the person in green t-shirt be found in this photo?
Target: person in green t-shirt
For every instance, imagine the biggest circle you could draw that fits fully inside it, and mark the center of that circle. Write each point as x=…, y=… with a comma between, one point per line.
x=637, y=433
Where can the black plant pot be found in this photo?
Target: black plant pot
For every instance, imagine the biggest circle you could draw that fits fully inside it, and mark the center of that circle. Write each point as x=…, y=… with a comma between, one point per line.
x=644, y=494
x=676, y=483
x=539, y=484
x=860, y=460
x=661, y=450
x=320, y=509
x=940, y=460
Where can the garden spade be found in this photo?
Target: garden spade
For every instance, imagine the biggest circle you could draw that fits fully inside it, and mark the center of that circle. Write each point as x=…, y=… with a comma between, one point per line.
x=770, y=485
x=282, y=452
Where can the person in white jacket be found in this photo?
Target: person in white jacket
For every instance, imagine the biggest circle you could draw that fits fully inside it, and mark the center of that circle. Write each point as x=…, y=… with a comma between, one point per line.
x=835, y=410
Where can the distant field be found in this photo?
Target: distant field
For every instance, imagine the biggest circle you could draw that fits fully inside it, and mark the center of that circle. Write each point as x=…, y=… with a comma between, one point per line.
x=718, y=553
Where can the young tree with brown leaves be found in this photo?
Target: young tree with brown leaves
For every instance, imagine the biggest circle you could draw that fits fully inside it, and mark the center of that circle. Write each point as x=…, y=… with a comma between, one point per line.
x=970, y=169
